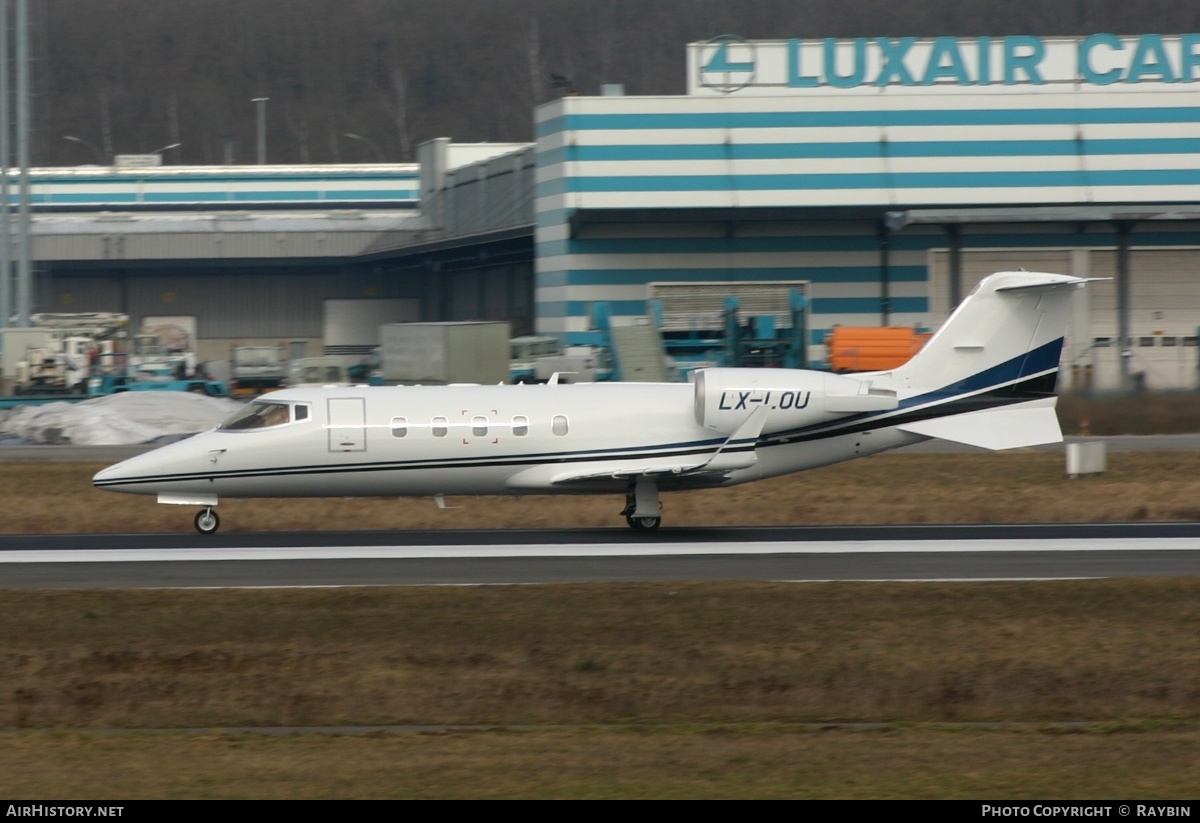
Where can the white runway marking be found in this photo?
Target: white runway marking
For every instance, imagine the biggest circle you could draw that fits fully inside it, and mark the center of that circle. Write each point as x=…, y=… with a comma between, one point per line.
x=595, y=550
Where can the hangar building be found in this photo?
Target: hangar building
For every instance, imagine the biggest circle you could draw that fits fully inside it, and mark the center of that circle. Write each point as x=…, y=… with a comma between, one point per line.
x=886, y=175
x=891, y=175
x=314, y=257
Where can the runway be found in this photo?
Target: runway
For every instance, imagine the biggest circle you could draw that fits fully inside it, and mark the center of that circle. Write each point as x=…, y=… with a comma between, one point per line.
x=877, y=553
x=974, y=552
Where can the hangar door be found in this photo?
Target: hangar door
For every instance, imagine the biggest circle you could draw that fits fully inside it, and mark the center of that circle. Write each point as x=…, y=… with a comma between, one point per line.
x=1163, y=318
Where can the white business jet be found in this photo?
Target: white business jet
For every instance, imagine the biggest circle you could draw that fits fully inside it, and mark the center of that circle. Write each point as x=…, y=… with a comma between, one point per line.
x=986, y=378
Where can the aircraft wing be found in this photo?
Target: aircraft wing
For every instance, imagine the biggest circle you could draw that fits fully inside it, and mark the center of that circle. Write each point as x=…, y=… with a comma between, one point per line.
x=597, y=474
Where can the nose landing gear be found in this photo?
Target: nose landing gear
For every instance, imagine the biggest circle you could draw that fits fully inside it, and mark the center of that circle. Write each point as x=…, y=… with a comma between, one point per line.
x=207, y=521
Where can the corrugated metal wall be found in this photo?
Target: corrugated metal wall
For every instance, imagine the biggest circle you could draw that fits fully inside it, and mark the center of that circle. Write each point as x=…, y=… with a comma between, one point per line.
x=233, y=304
x=280, y=303
x=1164, y=310
x=495, y=194
x=129, y=240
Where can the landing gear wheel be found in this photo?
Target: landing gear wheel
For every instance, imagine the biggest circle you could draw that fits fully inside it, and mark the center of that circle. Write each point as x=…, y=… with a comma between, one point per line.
x=647, y=524
x=207, y=522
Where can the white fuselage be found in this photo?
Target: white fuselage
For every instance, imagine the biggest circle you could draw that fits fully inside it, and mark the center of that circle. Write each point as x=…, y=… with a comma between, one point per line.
x=487, y=440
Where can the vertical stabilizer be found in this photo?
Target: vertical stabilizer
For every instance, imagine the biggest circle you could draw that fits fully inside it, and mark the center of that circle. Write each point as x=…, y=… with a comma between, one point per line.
x=1008, y=331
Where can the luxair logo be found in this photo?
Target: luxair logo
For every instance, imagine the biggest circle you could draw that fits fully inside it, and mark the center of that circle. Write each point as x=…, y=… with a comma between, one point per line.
x=727, y=63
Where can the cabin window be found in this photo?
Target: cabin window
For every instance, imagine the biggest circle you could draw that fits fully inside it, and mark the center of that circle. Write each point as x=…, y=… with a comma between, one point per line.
x=1169, y=341
x=399, y=426
x=258, y=415
x=1146, y=341
x=559, y=425
x=479, y=426
x=441, y=426
x=520, y=425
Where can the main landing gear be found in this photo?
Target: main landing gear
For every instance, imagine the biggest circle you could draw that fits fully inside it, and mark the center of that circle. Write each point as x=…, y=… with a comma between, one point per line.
x=647, y=524
x=642, y=508
x=207, y=521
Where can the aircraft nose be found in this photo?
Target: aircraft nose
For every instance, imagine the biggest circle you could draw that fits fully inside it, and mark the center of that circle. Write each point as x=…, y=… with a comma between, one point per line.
x=126, y=470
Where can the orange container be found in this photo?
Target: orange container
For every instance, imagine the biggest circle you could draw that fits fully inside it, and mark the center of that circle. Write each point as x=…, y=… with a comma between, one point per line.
x=872, y=348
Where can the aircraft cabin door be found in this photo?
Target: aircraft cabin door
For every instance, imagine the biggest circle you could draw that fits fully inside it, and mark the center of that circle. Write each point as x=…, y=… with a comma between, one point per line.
x=347, y=424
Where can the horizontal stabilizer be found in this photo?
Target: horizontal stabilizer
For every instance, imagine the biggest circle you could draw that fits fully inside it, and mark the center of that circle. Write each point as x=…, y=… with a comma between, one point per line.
x=1005, y=428
x=1058, y=282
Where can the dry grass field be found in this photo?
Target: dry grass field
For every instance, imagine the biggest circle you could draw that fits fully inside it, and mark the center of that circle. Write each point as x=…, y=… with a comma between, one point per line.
x=1083, y=689
x=1020, y=487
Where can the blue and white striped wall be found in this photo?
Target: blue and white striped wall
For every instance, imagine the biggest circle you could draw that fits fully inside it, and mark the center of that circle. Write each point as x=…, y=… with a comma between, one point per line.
x=893, y=149
x=224, y=187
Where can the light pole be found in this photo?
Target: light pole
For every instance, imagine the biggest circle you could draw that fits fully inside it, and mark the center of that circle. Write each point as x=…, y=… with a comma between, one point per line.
x=374, y=146
x=24, y=295
x=166, y=148
x=261, y=102
x=96, y=153
x=6, y=268
x=228, y=142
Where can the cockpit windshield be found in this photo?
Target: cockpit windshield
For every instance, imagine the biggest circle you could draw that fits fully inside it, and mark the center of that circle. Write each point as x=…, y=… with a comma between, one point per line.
x=260, y=415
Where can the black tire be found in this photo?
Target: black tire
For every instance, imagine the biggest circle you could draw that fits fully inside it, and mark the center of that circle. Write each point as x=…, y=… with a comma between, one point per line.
x=207, y=521
x=643, y=524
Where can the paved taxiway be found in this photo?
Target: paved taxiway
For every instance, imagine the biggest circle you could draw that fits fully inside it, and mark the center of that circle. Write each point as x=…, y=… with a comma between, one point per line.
x=600, y=555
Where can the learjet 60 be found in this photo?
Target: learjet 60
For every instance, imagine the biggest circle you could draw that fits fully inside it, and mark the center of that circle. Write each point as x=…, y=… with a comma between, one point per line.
x=986, y=378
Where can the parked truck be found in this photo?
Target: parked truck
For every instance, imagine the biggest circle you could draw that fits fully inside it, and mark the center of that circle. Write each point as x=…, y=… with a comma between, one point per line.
x=326, y=370
x=257, y=369
x=524, y=354
x=46, y=371
x=54, y=356
x=439, y=353
x=120, y=372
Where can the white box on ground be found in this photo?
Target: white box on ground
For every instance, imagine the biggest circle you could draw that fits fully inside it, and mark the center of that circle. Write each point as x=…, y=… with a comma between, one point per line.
x=1086, y=458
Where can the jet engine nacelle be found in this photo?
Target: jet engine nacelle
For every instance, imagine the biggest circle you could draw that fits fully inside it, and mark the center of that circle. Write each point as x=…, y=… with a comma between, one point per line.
x=793, y=397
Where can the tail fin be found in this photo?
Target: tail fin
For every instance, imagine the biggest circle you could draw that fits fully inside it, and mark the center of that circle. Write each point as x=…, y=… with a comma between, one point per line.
x=987, y=377
x=1009, y=328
